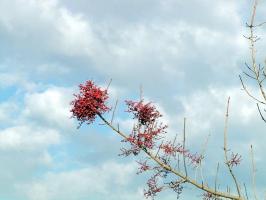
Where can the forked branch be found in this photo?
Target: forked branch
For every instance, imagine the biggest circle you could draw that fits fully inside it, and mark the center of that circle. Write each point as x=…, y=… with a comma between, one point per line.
x=257, y=71
x=184, y=177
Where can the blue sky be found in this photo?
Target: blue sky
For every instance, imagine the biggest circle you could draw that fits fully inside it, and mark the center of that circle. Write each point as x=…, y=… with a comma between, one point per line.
x=187, y=56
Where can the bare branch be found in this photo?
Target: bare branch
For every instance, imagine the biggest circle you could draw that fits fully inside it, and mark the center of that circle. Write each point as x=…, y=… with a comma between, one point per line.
x=177, y=173
x=113, y=114
x=184, y=143
x=140, y=92
x=216, y=177
x=246, y=192
x=159, y=148
x=249, y=75
x=202, y=154
x=109, y=84
x=226, y=149
x=261, y=113
x=248, y=93
x=253, y=173
x=252, y=39
x=261, y=24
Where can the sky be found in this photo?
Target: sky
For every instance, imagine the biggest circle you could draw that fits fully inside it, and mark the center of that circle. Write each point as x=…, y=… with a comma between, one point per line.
x=186, y=55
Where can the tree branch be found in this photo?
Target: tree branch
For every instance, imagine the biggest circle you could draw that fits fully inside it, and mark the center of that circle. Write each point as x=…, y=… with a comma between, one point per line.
x=226, y=149
x=179, y=174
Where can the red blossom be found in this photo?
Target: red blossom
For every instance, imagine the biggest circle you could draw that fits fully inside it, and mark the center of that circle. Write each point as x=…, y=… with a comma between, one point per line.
x=89, y=102
x=148, y=130
x=153, y=187
x=235, y=160
x=145, y=138
x=143, y=166
x=170, y=149
x=145, y=113
x=208, y=196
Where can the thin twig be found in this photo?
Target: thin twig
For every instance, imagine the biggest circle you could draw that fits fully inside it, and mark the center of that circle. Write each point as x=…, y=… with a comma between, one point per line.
x=246, y=192
x=184, y=147
x=109, y=83
x=226, y=149
x=246, y=90
x=202, y=154
x=159, y=148
x=216, y=177
x=113, y=114
x=141, y=92
x=252, y=40
x=261, y=113
x=175, y=139
x=249, y=75
x=253, y=173
x=261, y=24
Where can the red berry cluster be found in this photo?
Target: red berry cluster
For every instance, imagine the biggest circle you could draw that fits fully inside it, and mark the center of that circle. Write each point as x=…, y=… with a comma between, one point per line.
x=90, y=101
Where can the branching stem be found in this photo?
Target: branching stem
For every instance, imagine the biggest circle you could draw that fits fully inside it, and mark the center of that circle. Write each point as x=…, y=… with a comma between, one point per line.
x=179, y=174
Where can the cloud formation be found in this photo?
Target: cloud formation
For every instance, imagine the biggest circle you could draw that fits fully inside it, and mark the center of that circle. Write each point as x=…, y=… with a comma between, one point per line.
x=186, y=54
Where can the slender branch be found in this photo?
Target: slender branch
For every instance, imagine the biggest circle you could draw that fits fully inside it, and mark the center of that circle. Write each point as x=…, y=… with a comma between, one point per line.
x=246, y=192
x=216, y=177
x=248, y=65
x=260, y=113
x=202, y=154
x=226, y=149
x=204, y=146
x=260, y=24
x=249, y=75
x=113, y=114
x=253, y=173
x=248, y=93
x=175, y=139
x=252, y=39
x=159, y=148
x=109, y=83
x=140, y=92
x=184, y=143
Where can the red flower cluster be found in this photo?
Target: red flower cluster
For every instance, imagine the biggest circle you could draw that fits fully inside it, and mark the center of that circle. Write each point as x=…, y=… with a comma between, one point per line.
x=148, y=129
x=171, y=150
x=89, y=102
x=209, y=196
x=145, y=113
x=153, y=187
x=143, y=166
x=146, y=138
x=235, y=160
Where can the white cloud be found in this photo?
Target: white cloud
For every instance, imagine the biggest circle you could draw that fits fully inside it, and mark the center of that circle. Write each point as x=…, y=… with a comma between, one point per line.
x=163, y=47
x=102, y=181
x=76, y=36
x=27, y=138
x=10, y=79
x=51, y=107
x=6, y=111
x=173, y=48
x=206, y=109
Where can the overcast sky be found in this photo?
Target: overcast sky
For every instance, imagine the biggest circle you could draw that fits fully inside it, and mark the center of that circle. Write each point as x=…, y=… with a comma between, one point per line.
x=187, y=56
